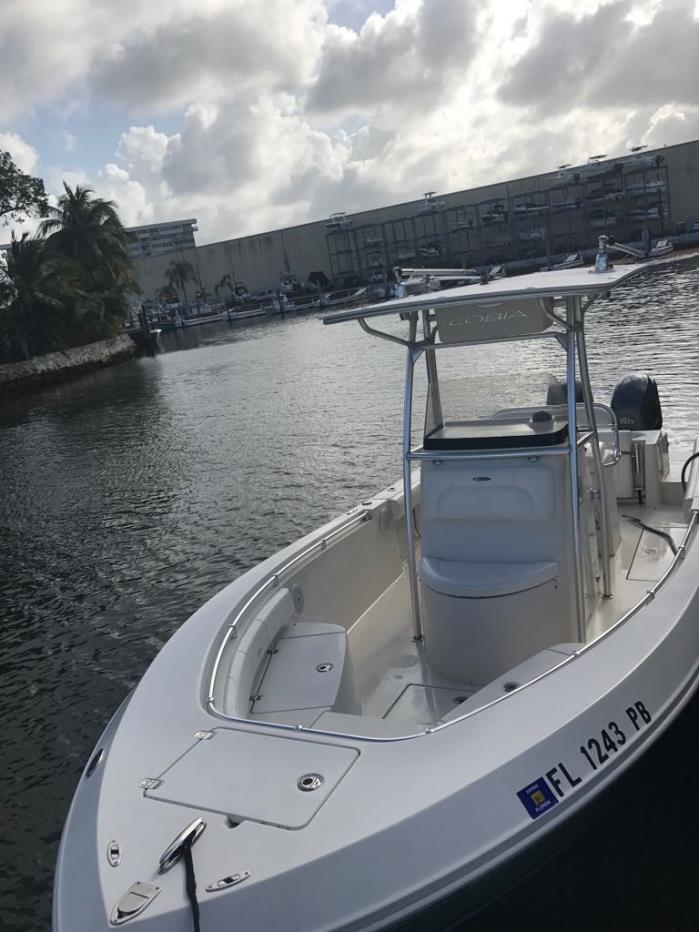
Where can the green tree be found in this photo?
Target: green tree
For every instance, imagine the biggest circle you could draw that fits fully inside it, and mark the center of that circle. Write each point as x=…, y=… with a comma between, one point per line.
x=42, y=297
x=167, y=294
x=225, y=282
x=87, y=230
x=179, y=273
x=21, y=196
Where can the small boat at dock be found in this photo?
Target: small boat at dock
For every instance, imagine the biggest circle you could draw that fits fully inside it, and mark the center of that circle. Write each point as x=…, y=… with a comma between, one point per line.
x=662, y=248
x=203, y=319
x=246, y=313
x=572, y=261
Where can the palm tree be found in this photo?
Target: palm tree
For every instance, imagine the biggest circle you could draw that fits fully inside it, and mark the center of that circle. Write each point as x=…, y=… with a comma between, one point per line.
x=225, y=282
x=167, y=294
x=88, y=229
x=179, y=273
x=42, y=296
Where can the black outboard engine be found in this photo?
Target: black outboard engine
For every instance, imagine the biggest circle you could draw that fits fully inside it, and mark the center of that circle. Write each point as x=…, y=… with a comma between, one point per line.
x=636, y=403
x=558, y=391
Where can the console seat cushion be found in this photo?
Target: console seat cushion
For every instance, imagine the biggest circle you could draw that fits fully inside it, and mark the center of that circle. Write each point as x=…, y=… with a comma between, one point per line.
x=474, y=580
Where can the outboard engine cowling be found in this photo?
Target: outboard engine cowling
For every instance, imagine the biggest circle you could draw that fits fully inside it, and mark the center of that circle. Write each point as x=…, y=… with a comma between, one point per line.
x=558, y=391
x=636, y=403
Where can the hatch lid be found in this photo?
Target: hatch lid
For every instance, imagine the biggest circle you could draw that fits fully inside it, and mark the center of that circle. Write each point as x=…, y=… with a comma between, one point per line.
x=258, y=777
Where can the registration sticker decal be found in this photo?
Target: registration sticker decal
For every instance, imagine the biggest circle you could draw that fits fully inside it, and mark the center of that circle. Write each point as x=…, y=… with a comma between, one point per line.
x=595, y=751
x=537, y=798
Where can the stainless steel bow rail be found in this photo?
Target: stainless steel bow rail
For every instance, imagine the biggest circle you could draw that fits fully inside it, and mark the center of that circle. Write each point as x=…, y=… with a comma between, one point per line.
x=273, y=582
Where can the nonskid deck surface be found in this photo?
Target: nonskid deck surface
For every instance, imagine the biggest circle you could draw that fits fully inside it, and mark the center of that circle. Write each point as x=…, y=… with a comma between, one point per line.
x=641, y=560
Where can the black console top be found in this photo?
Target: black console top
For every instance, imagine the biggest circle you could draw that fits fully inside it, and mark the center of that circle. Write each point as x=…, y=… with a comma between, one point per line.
x=541, y=429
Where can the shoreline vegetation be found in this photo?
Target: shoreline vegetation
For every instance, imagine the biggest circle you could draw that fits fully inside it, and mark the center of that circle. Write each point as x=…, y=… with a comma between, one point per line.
x=64, y=291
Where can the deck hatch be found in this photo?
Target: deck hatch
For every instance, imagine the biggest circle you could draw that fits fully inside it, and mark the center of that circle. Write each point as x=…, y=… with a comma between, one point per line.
x=253, y=776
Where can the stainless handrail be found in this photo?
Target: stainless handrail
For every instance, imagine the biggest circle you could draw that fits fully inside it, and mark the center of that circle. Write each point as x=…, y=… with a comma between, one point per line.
x=598, y=405
x=408, y=494
x=271, y=583
x=588, y=401
x=614, y=424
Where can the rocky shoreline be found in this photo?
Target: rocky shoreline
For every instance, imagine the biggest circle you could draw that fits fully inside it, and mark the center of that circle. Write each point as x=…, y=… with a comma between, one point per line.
x=18, y=378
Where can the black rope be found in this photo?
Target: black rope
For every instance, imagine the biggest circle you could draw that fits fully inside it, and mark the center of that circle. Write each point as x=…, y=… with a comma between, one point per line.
x=191, y=883
x=683, y=474
x=653, y=530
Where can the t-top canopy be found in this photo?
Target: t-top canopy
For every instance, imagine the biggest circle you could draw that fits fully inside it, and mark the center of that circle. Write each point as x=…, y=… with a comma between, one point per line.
x=555, y=284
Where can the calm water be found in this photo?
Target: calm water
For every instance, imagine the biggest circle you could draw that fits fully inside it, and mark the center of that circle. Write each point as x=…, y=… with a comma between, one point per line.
x=132, y=495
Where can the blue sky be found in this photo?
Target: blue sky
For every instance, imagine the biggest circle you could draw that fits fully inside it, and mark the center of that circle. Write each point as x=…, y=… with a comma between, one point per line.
x=251, y=117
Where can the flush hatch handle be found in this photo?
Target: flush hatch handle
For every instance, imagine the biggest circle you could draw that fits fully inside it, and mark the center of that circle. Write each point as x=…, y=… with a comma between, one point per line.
x=134, y=901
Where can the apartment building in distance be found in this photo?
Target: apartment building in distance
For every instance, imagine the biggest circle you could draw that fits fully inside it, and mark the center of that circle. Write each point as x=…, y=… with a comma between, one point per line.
x=161, y=239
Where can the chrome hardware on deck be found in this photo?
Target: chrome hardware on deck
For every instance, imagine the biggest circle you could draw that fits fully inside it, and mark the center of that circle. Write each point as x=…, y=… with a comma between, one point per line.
x=173, y=852
x=150, y=783
x=114, y=853
x=95, y=761
x=225, y=882
x=309, y=782
x=133, y=902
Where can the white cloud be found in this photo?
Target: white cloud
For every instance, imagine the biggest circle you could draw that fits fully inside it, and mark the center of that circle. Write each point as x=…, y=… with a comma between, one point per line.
x=201, y=56
x=25, y=156
x=116, y=184
x=671, y=124
x=143, y=146
x=409, y=55
x=282, y=116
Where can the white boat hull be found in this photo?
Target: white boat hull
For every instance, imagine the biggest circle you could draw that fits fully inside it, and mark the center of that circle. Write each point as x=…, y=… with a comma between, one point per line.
x=378, y=850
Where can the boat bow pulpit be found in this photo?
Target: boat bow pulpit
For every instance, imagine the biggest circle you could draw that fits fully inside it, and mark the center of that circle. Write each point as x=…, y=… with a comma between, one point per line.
x=506, y=501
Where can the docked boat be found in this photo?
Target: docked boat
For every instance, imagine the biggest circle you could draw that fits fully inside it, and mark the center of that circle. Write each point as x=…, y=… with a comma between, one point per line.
x=662, y=248
x=572, y=261
x=246, y=313
x=392, y=717
x=419, y=281
x=639, y=161
x=645, y=188
x=568, y=203
x=203, y=319
x=645, y=213
x=338, y=221
x=597, y=166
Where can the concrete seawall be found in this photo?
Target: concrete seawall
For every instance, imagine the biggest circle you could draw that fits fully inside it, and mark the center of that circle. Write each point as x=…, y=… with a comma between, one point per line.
x=16, y=378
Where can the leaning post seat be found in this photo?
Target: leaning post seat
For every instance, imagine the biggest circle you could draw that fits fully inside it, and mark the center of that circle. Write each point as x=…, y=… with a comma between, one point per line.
x=496, y=572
